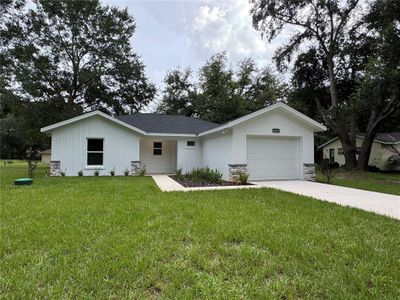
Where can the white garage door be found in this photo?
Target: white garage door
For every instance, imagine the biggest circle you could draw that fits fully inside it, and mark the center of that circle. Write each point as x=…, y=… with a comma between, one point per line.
x=273, y=158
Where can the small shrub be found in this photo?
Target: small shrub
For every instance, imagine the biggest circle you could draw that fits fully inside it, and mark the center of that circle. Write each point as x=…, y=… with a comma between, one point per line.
x=243, y=178
x=179, y=174
x=96, y=173
x=205, y=175
x=63, y=173
x=112, y=172
x=80, y=173
x=126, y=172
x=394, y=159
x=334, y=165
x=326, y=170
x=374, y=169
x=142, y=171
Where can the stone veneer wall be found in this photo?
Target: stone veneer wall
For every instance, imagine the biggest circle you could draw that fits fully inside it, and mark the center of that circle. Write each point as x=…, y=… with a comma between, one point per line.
x=135, y=167
x=309, y=172
x=235, y=170
x=55, y=168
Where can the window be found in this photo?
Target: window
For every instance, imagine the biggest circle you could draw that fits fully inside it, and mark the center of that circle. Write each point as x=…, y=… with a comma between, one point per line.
x=358, y=150
x=190, y=143
x=340, y=151
x=94, y=152
x=157, y=148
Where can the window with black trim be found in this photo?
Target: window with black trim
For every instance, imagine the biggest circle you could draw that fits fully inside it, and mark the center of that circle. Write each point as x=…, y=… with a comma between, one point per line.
x=157, y=148
x=95, y=152
x=340, y=151
x=190, y=143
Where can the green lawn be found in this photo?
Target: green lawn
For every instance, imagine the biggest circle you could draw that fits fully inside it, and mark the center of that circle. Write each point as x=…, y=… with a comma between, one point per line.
x=120, y=237
x=388, y=183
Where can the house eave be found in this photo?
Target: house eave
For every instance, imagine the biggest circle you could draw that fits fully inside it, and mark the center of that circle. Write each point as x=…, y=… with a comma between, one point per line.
x=314, y=124
x=49, y=128
x=361, y=137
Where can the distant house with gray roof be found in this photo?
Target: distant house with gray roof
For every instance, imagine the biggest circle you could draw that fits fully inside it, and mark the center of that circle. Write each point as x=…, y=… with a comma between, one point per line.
x=381, y=151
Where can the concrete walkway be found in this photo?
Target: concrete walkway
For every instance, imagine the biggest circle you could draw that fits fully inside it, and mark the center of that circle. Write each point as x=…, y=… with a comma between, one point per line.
x=379, y=203
x=167, y=184
x=384, y=204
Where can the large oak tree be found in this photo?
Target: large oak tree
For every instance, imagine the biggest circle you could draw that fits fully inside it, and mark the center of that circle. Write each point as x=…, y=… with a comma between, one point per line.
x=353, y=42
x=75, y=52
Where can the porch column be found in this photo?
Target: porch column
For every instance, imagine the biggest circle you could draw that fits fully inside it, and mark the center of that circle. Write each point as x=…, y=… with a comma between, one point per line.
x=309, y=172
x=235, y=170
x=55, y=168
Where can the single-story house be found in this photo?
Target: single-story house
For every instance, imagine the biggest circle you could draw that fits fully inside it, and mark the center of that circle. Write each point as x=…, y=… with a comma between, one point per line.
x=46, y=156
x=274, y=143
x=380, y=151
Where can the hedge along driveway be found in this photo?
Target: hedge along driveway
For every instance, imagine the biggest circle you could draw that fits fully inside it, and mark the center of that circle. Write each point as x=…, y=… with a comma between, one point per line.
x=121, y=237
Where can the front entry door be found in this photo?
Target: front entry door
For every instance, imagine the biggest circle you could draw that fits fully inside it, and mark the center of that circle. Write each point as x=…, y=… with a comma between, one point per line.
x=331, y=155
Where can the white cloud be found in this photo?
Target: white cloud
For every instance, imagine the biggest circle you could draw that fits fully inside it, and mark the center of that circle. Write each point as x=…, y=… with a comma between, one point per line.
x=227, y=26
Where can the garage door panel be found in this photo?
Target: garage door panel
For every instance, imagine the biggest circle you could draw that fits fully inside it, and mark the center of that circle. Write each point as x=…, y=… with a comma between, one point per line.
x=270, y=158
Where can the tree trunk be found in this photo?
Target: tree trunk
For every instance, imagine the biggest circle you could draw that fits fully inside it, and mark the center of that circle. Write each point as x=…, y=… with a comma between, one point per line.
x=365, y=150
x=349, y=150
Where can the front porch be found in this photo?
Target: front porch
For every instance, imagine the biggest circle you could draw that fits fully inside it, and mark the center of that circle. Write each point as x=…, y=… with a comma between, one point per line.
x=158, y=156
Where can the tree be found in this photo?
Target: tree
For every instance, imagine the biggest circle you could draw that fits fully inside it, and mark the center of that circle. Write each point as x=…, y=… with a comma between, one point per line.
x=218, y=101
x=179, y=94
x=74, y=52
x=221, y=93
x=336, y=29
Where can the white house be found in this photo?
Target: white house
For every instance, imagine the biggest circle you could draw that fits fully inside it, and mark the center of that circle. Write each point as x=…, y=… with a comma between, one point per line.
x=381, y=150
x=274, y=143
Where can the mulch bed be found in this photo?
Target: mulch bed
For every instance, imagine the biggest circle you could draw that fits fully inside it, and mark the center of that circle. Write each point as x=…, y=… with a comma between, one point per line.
x=187, y=183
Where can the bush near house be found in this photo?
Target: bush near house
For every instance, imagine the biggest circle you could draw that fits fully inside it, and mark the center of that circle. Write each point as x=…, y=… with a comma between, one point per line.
x=205, y=175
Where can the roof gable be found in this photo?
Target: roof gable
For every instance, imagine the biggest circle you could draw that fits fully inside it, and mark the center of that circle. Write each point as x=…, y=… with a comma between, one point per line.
x=89, y=115
x=298, y=115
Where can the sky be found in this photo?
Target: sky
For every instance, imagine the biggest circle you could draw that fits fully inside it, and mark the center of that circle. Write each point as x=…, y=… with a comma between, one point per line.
x=187, y=33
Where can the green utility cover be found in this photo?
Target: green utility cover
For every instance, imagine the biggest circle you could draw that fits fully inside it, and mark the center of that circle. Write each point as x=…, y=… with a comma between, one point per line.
x=23, y=181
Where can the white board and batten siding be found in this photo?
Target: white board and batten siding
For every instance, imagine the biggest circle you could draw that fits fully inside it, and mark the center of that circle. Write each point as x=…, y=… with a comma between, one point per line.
x=69, y=146
x=217, y=152
x=188, y=157
x=158, y=164
x=269, y=155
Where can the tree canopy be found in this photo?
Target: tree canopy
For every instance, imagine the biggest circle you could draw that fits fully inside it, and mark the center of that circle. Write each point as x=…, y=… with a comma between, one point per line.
x=62, y=58
x=76, y=52
x=220, y=93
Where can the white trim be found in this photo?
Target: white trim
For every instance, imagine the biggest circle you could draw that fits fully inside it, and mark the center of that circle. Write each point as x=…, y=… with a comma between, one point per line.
x=172, y=134
x=298, y=114
x=87, y=115
x=360, y=137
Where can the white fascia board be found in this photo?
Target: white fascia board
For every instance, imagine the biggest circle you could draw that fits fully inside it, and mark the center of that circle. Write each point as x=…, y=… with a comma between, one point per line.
x=88, y=115
x=328, y=142
x=298, y=114
x=172, y=134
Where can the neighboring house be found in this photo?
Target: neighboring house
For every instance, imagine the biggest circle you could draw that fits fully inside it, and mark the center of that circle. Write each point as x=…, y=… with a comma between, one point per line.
x=46, y=156
x=276, y=142
x=380, y=151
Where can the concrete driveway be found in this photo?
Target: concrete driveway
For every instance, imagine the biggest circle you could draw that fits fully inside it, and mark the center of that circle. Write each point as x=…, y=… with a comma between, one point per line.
x=379, y=203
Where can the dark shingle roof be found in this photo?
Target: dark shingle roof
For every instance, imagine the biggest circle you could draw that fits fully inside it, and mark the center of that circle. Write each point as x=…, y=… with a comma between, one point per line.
x=156, y=123
x=390, y=137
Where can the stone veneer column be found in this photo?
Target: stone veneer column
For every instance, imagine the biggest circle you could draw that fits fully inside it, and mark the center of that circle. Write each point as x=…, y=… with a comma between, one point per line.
x=309, y=172
x=55, y=168
x=235, y=170
x=135, y=167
